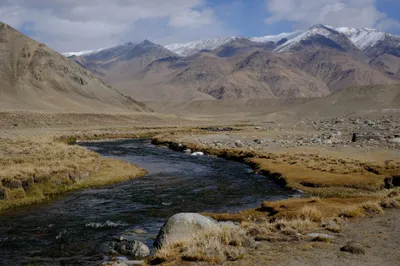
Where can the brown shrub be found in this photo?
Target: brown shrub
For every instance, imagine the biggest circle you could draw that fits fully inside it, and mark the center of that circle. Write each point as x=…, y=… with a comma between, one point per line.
x=351, y=212
x=372, y=207
x=11, y=183
x=3, y=193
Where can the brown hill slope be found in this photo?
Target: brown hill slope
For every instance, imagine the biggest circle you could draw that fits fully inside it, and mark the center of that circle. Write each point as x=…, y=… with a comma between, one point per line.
x=34, y=77
x=360, y=100
x=227, y=73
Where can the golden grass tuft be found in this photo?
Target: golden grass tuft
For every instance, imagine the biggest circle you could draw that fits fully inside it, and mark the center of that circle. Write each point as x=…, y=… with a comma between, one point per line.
x=352, y=212
x=210, y=246
x=390, y=203
x=372, y=207
x=311, y=213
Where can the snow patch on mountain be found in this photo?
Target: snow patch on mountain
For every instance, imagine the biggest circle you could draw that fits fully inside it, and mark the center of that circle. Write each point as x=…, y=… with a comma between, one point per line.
x=190, y=48
x=316, y=30
x=68, y=54
x=362, y=38
x=276, y=38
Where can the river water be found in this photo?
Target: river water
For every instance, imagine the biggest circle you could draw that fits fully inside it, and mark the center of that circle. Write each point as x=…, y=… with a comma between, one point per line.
x=76, y=229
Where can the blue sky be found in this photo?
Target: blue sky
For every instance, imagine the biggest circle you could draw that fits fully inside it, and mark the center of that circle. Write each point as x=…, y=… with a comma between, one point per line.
x=75, y=25
x=248, y=17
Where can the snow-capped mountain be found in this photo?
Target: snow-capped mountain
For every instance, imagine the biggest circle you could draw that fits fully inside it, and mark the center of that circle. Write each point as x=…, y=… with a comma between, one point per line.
x=371, y=41
x=362, y=38
x=68, y=54
x=190, y=48
x=331, y=37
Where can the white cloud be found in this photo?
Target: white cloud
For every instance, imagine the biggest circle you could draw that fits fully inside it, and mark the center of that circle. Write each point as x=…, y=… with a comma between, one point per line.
x=68, y=25
x=351, y=13
x=388, y=24
x=193, y=18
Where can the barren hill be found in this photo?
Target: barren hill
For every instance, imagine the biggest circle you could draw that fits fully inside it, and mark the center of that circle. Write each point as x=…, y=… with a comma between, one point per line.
x=34, y=77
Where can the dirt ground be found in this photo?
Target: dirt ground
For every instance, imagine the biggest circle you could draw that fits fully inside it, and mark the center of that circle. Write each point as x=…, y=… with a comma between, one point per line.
x=379, y=235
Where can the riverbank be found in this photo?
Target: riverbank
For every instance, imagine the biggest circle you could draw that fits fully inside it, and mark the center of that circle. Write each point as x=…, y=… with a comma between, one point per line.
x=37, y=165
x=36, y=169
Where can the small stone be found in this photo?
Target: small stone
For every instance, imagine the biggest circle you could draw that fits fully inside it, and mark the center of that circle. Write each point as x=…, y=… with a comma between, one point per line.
x=134, y=262
x=258, y=141
x=188, y=151
x=320, y=237
x=395, y=140
x=139, y=231
x=127, y=246
x=197, y=153
x=354, y=248
x=238, y=144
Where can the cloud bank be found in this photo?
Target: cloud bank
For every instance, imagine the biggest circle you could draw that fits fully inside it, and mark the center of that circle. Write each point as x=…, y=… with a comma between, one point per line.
x=351, y=13
x=86, y=24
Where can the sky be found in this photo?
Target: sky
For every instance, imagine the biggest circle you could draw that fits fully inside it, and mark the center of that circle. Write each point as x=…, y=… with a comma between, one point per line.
x=77, y=25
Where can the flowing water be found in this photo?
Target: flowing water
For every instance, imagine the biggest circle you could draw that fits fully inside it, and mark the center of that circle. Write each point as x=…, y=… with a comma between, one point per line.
x=76, y=229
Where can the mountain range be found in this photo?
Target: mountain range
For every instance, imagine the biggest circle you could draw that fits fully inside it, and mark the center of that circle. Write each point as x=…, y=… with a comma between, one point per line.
x=301, y=64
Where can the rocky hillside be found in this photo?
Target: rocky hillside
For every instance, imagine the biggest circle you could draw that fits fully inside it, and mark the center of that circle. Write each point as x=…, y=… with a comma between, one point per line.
x=34, y=77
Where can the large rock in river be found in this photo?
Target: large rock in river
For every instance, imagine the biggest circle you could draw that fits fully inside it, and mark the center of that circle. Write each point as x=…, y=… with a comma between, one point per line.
x=182, y=226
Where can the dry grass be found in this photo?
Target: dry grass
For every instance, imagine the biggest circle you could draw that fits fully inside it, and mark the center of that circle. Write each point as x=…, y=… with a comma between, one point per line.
x=325, y=209
x=310, y=213
x=372, y=207
x=32, y=170
x=323, y=183
x=352, y=212
x=368, y=207
x=210, y=246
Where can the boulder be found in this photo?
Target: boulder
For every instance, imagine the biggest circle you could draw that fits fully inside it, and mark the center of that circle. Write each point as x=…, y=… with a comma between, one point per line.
x=182, y=226
x=126, y=245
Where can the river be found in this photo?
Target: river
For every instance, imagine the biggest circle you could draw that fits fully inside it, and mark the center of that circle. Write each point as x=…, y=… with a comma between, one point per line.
x=75, y=229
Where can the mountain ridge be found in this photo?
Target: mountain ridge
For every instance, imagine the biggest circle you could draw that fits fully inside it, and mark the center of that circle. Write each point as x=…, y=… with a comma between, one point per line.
x=362, y=38
x=311, y=63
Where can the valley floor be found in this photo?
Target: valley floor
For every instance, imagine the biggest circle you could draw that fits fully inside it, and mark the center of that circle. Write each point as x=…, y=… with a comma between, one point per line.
x=342, y=175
